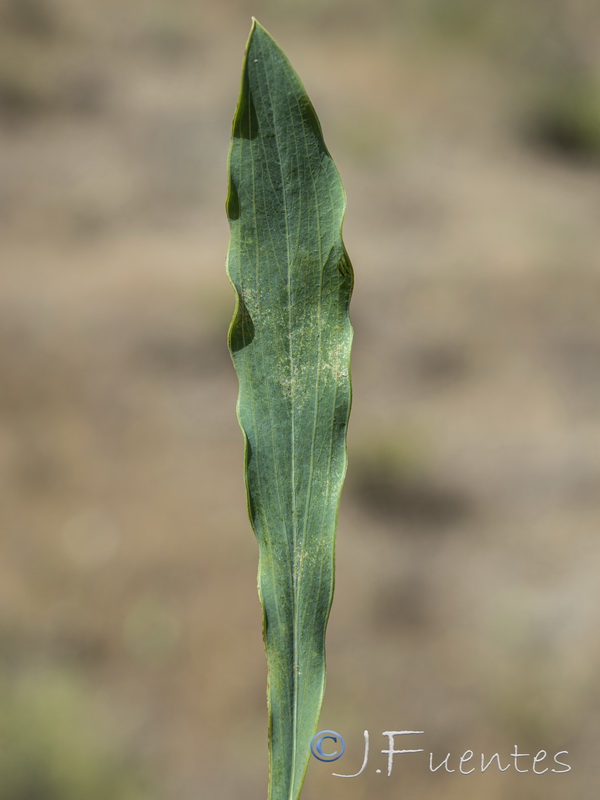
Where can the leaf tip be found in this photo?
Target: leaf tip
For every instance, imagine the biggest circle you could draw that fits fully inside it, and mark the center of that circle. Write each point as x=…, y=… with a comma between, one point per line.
x=257, y=28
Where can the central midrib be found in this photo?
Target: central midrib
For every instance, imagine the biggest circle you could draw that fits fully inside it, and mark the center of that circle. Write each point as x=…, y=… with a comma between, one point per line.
x=293, y=446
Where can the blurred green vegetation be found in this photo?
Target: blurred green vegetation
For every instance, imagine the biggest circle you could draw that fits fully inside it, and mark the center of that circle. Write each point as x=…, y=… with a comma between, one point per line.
x=56, y=746
x=565, y=118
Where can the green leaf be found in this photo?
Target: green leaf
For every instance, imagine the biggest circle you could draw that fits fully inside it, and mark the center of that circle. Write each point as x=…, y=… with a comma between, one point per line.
x=290, y=342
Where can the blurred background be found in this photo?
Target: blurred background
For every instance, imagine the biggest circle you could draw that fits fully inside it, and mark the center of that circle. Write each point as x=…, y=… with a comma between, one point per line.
x=467, y=602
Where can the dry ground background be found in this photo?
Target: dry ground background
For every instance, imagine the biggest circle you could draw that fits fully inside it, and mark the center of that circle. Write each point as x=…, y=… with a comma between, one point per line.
x=467, y=604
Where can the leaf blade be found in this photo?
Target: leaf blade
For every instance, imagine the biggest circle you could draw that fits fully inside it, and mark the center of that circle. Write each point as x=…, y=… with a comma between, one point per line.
x=290, y=342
